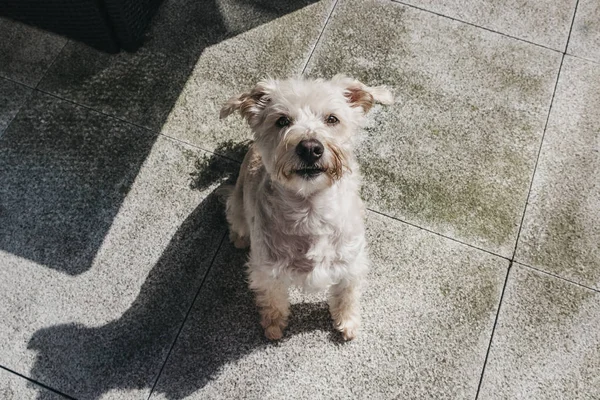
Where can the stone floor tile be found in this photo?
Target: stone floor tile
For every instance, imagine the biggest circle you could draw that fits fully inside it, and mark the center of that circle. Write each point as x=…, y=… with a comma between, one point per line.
x=456, y=153
x=65, y=172
x=26, y=52
x=544, y=22
x=547, y=343
x=561, y=229
x=585, y=36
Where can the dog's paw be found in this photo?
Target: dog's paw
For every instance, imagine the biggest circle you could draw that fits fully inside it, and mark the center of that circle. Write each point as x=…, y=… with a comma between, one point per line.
x=348, y=327
x=273, y=322
x=273, y=332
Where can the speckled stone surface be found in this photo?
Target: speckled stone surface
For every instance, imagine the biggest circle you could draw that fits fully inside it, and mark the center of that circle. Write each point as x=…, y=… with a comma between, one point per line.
x=547, y=343
x=456, y=152
x=106, y=331
x=544, y=22
x=65, y=173
x=428, y=312
x=561, y=230
x=191, y=63
x=26, y=52
x=14, y=387
x=12, y=97
x=585, y=36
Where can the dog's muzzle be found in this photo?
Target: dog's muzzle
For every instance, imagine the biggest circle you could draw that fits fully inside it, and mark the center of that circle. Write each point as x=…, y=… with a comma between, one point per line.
x=310, y=152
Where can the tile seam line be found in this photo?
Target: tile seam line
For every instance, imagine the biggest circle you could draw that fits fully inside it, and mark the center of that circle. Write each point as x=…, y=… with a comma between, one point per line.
x=475, y=25
x=116, y=118
x=596, y=62
x=10, y=371
x=537, y=160
x=335, y=3
x=571, y=27
x=556, y=276
x=173, y=138
x=166, y=360
x=51, y=64
x=18, y=112
x=487, y=353
x=17, y=82
x=541, y=145
x=438, y=234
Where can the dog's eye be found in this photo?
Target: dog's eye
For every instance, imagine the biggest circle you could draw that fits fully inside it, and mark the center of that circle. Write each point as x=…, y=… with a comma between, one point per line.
x=283, y=122
x=332, y=120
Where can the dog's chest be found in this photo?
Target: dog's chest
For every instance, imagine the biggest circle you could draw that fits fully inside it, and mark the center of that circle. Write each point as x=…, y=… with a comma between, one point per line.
x=304, y=254
x=305, y=245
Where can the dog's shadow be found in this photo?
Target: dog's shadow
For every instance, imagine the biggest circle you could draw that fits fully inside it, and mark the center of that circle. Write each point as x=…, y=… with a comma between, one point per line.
x=128, y=353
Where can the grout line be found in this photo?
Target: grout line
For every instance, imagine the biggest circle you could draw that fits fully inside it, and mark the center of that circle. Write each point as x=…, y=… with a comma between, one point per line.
x=597, y=62
x=199, y=148
x=37, y=383
x=557, y=277
x=17, y=82
x=537, y=160
x=487, y=354
x=187, y=315
x=51, y=64
x=571, y=28
x=475, y=25
x=97, y=111
x=149, y=130
x=438, y=234
x=562, y=60
x=27, y=98
x=319, y=38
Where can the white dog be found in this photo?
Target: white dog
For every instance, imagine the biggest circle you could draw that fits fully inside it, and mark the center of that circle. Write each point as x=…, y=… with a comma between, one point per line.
x=296, y=200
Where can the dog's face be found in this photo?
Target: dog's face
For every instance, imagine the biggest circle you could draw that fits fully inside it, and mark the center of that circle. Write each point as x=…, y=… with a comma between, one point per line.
x=304, y=129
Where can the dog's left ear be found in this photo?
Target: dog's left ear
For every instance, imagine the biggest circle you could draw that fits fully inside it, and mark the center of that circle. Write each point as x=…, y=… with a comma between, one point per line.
x=249, y=104
x=361, y=95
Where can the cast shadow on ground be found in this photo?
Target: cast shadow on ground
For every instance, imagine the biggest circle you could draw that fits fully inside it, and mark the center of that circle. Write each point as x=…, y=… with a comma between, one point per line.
x=67, y=170
x=128, y=353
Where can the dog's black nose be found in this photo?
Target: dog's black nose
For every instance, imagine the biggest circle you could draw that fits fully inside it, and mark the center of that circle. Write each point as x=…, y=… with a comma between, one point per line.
x=310, y=150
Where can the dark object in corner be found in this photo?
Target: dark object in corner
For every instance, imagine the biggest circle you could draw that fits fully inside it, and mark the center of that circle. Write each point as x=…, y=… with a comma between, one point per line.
x=107, y=25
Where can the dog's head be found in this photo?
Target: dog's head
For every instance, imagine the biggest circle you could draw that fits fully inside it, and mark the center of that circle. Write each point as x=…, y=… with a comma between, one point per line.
x=304, y=129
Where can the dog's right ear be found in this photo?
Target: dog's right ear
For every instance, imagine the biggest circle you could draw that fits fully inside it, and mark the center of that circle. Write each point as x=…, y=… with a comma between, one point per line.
x=361, y=95
x=249, y=104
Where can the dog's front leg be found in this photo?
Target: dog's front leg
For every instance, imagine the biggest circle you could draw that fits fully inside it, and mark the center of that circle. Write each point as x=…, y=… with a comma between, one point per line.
x=273, y=303
x=344, y=296
x=344, y=306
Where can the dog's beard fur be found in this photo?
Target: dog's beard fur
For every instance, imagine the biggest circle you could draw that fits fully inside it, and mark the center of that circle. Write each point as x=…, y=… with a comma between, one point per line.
x=297, y=236
x=334, y=164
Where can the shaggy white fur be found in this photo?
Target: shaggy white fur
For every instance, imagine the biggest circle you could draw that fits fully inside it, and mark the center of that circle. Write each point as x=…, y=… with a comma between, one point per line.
x=296, y=201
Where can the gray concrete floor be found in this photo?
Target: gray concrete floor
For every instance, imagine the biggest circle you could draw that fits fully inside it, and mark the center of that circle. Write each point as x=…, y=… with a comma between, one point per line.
x=116, y=280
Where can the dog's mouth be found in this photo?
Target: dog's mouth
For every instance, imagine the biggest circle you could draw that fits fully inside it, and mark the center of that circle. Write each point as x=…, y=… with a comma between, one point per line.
x=309, y=172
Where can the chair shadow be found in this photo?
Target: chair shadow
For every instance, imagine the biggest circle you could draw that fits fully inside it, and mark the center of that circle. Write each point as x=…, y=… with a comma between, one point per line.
x=66, y=173
x=88, y=362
